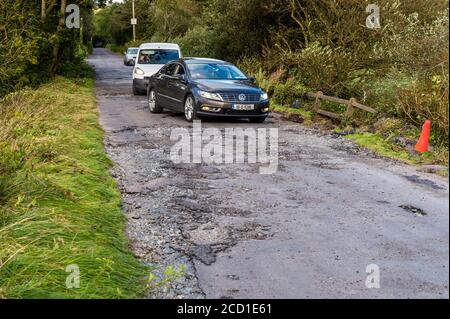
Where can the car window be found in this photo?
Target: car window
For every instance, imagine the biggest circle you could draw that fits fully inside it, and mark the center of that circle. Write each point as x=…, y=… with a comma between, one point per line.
x=162, y=70
x=179, y=70
x=157, y=56
x=132, y=51
x=215, y=71
x=170, y=69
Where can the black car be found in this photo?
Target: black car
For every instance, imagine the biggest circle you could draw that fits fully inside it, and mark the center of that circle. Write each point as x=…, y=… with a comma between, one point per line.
x=201, y=87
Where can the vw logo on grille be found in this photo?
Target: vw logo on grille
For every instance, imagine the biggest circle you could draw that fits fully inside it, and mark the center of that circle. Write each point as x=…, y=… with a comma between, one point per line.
x=242, y=97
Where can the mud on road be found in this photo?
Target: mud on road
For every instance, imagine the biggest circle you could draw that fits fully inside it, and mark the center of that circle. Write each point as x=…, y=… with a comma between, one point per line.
x=307, y=231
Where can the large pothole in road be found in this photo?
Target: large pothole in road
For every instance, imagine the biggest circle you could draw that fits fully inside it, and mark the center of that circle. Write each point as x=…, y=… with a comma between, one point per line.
x=414, y=210
x=209, y=234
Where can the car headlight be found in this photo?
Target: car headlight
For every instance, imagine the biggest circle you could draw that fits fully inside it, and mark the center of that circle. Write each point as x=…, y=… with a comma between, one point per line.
x=211, y=96
x=264, y=96
x=139, y=71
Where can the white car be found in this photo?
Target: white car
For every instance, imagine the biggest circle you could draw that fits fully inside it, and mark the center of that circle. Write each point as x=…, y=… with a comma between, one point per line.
x=129, y=56
x=150, y=59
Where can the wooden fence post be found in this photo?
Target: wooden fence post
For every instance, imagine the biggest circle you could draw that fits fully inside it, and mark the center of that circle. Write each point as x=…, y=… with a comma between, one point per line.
x=350, y=109
x=317, y=103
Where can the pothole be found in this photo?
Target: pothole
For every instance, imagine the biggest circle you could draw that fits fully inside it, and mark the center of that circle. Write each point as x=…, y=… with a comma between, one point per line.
x=421, y=181
x=414, y=210
x=324, y=165
x=208, y=234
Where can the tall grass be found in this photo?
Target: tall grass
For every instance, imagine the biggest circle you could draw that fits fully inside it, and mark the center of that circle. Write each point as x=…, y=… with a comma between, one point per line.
x=58, y=204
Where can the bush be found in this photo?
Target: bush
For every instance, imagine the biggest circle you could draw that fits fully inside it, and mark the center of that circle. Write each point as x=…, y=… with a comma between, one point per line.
x=116, y=48
x=171, y=19
x=285, y=93
x=381, y=92
x=77, y=69
x=417, y=46
x=322, y=68
x=197, y=42
x=19, y=44
x=427, y=99
x=34, y=49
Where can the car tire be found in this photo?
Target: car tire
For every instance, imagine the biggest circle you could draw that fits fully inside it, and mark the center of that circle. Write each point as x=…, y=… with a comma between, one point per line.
x=257, y=119
x=190, y=114
x=152, y=102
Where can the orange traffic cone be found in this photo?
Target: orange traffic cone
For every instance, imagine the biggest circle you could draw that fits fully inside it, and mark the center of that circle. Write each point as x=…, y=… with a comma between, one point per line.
x=422, y=144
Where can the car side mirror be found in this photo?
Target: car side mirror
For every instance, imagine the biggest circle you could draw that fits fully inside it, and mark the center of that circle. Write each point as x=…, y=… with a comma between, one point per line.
x=252, y=79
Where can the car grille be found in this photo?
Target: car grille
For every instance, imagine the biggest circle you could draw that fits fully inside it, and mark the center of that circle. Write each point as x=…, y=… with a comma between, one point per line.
x=234, y=97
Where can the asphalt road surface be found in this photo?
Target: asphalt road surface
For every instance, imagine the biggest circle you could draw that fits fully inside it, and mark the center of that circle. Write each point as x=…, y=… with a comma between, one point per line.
x=307, y=231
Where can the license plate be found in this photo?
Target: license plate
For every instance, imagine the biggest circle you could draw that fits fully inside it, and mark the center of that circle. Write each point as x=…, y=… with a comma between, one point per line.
x=244, y=107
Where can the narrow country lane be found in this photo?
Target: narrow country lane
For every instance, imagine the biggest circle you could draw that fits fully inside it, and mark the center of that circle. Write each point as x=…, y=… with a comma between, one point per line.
x=307, y=231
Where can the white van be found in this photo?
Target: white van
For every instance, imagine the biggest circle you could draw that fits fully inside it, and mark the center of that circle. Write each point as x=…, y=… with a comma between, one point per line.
x=150, y=58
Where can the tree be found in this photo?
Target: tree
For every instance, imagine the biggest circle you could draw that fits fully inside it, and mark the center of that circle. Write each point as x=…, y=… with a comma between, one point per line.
x=35, y=44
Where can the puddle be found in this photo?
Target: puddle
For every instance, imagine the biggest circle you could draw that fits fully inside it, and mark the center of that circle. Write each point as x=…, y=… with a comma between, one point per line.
x=426, y=182
x=324, y=165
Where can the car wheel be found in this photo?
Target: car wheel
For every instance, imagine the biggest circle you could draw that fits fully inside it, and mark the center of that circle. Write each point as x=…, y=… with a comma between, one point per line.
x=152, y=103
x=257, y=119
x=189, y=109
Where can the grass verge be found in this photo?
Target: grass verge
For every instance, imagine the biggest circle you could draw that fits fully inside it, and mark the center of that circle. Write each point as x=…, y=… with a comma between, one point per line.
x=380, y=145
x=306, y=116
x=58, y=204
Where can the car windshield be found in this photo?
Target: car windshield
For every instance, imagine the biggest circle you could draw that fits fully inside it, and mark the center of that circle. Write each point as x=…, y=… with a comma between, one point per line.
x=215, y=71
x=132, y=51
x=157, y=56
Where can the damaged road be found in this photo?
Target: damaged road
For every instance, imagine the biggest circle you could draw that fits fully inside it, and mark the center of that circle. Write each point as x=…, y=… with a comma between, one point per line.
x=307, y=231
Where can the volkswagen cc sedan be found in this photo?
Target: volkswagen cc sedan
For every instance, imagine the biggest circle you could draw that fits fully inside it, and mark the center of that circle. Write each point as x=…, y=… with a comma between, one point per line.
x=201, y=87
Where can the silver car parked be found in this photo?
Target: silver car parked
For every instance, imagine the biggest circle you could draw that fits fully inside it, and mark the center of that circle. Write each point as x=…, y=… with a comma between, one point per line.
x=129, y=57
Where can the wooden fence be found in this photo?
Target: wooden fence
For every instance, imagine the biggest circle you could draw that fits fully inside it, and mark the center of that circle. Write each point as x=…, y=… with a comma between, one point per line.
x=351, y=105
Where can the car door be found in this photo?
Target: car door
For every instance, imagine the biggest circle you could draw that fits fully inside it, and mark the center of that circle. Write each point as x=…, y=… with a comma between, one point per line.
x=164, y=95
x=177, y=86
x=157, y=80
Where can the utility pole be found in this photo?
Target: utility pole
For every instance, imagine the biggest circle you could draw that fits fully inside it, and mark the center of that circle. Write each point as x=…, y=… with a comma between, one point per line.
x=133, y=22
x=81, y=30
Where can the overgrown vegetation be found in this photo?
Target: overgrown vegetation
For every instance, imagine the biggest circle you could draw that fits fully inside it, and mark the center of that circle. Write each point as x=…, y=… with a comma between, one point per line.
x=386, y=147
x=400, y=69
x=58, y=204
x=35, y=45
